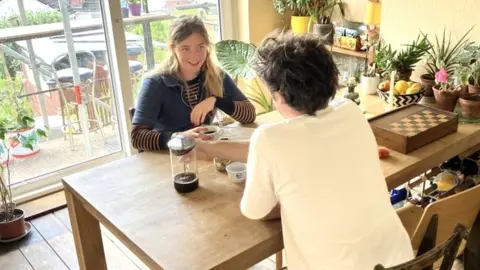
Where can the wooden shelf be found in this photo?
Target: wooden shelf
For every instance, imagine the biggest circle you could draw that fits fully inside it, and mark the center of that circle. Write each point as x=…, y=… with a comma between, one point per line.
x=359, y=54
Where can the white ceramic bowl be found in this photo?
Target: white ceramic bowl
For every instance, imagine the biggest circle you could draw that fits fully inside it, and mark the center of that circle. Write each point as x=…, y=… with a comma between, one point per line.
x=237, y=171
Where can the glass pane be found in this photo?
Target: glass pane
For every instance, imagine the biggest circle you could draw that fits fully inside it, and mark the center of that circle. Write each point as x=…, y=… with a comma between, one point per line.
x=145, y=56
x=69, y=90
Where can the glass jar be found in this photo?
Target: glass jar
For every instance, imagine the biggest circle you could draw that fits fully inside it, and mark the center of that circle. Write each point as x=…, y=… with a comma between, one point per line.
x=183, y=160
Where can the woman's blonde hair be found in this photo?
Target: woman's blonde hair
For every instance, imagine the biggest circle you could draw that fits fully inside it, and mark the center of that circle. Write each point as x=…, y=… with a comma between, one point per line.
x=180, y=29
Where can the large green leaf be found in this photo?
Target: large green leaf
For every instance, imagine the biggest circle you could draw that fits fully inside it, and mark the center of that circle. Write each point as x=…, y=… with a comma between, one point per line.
x=236, y=58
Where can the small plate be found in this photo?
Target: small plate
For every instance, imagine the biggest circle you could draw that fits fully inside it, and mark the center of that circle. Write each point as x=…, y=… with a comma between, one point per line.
x=28, y=228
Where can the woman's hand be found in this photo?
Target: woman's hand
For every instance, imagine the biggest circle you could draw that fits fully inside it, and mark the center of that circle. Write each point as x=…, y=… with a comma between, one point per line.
x=201, y=110
x=196, y=133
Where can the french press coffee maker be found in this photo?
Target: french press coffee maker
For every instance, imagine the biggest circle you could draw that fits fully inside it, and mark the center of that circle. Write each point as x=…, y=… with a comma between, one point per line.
x=183, y=160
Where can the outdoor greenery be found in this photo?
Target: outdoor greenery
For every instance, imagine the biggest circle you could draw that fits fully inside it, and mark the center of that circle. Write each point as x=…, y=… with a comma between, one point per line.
x=12, y=108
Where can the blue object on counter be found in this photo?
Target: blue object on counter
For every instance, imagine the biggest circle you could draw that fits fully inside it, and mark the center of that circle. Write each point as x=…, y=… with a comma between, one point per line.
x=398, y=195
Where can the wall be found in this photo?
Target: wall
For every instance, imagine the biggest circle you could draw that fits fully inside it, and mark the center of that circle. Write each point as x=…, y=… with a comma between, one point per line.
x=255, y=19
x=402, y=20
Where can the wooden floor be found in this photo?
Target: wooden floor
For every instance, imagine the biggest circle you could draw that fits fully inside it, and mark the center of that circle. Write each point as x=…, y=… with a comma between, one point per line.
x=50, y=246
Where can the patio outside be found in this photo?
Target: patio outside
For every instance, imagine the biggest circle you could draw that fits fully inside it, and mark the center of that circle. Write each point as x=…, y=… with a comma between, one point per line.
x=56, y=102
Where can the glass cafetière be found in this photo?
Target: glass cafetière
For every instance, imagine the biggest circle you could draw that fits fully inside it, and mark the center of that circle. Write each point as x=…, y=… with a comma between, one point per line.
x=183, y=160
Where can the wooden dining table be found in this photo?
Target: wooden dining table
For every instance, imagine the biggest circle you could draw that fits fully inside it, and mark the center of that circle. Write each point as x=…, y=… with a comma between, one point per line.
x=134, y=198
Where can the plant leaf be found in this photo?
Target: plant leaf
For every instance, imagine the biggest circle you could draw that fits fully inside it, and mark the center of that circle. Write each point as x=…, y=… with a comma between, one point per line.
x=41, y=133
x=236, y=58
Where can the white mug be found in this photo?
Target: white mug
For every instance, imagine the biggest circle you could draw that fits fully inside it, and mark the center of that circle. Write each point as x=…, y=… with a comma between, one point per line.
x=214, y=131
x=237, y=171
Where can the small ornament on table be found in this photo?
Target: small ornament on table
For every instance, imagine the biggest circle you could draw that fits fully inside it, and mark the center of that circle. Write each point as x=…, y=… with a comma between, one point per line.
x=351, y=94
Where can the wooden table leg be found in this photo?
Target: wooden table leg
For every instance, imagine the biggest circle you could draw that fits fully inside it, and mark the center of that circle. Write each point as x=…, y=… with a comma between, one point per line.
x=279, y=260
x=87, y=235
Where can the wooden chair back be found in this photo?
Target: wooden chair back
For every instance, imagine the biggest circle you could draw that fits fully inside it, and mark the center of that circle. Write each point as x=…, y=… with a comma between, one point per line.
x=461, y=208
x=131, y=112
x=447, y=251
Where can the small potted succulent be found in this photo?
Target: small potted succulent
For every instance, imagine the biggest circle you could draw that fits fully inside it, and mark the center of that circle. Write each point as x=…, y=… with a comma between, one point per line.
x=446, y=94
x=370, y=80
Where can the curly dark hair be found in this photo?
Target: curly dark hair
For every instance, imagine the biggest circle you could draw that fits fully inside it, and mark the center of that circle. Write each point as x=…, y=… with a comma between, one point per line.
x=300, y=68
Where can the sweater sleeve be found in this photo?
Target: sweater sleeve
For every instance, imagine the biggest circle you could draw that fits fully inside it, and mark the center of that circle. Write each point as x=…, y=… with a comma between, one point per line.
x=234, y=102
x=146, y=139
x=147, y=109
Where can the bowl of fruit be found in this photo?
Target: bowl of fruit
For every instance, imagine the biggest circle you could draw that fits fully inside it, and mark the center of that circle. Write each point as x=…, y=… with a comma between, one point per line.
x=404, y=93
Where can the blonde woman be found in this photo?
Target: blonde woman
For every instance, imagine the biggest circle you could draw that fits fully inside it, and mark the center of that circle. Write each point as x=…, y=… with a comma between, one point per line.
x=186, y=91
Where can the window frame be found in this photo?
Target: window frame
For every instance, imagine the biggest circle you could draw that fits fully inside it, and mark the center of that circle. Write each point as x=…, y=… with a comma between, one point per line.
x=117, y=54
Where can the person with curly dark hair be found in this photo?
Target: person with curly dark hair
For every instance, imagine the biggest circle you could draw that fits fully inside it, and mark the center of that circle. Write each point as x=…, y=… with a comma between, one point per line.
x=319, y=169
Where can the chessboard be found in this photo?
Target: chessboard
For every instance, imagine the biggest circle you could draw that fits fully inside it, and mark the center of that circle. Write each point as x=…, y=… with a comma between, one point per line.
x=419, y=122
x=410, y=127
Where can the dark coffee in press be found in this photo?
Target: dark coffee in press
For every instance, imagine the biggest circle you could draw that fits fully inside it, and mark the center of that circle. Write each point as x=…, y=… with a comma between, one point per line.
x=185, y=182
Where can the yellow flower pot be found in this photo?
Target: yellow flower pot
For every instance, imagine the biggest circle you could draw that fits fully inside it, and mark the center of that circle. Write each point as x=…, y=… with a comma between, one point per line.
x=299, y=24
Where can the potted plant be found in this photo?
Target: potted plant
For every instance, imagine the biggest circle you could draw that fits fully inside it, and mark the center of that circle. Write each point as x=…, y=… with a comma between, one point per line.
x=370, y=80
x=446, y=94
x=299, y=21
x=236, y=58
x=12, y=109
x=383, y=54
x=442, y=53
x=135, y=7
x=12, y=219
x=474, y=77
x=404, y=61
x=321, y=12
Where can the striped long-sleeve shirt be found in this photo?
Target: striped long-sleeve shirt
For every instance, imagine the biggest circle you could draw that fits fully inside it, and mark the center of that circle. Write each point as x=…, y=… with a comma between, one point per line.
x=148, y=136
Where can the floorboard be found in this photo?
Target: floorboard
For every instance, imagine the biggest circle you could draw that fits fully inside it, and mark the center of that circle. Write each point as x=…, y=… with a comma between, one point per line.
x=50, y=246
x=14, y=260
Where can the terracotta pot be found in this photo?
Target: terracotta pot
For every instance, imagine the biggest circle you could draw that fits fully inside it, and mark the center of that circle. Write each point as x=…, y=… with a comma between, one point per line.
x=472, y=89
x=470, y=104
x=428, y=83
x=13, y=228
x=404, y=76
x=446, y=100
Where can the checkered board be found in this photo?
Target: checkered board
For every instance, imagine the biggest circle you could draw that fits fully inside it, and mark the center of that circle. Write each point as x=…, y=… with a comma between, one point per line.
x=418, y=122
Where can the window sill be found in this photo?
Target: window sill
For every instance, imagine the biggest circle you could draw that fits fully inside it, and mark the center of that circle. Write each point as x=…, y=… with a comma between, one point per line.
x=43, y=205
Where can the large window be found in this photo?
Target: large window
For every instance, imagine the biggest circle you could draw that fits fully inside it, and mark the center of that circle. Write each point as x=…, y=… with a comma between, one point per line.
x=59, y=67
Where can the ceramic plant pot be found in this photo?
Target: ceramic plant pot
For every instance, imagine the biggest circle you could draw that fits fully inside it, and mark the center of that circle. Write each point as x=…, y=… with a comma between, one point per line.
x=446, y=100
x=369, y=84
x=13, y=228
x=428, y=84
x=470, y=105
